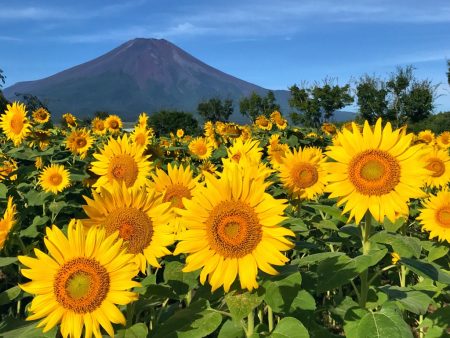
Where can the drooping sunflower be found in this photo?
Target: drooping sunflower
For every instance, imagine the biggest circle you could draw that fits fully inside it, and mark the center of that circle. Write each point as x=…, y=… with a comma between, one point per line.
x=79, y=141
x=40, y=138
x=121, y=161
x=113, y=123
x=233, y=230
x=276, y=150
x=302, y=172
x=8, y=167
x=435, y=216
x=377, y=171
x=328, y=128
x=14, y=122
x=80, y=281
x=426, y=136
x=98, y=126
x=140, y=136
x=263, y=123
x=7, y=222
x=438, y=163
x=141, y=218
x=70, y=120
x=443, y=140
x=41, y=115
x=200, y=148
x=54, y=178
x=142, y=120
x=39, y=162
x=278, y=119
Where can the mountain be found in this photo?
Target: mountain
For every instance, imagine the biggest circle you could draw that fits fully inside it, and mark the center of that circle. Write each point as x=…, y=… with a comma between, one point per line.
x=139, y=75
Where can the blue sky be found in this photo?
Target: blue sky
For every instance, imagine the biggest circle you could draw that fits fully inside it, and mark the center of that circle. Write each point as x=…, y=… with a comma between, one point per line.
x=273, y=44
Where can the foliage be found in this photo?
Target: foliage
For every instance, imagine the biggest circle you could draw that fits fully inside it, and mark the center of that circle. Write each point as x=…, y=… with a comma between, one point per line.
x=2, y=78
x=32, y=102
x=437, y=123
x=256, y=105
x=167, y=121
x=215, y=110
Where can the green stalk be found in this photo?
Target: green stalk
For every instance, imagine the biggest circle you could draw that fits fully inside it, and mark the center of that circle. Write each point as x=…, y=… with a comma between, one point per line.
x=366, y=230
x=130, y=313
x=250, y=323
x=270, y=317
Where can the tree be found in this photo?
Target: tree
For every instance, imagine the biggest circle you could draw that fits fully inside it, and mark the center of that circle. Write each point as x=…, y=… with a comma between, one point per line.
x=3, y=101
x=372, y=98
x=268, y=104
x=256, y=105
x=166, y=121
x=318, y=103
x=2, y=78
x=448, y=72
x=32, y=102
x=216, y=110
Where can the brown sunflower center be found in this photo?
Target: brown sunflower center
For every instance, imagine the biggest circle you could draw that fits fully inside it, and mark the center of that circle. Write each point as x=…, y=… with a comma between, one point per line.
x=123, y=168
x=114, y=124
x=175, y=193
x=81, y=285
x=427, y=138
x=233, y=229
x=16, y=124
x=133, y=225
x=80, y=142
x=437, y=166
x=374, y=172
x=304, y=175
x=443, y=216
x=56, y=178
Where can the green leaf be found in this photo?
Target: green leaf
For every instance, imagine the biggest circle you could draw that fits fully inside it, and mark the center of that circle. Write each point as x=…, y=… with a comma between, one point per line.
x=412, y=300
x=9, y=295
x=56, y=207
x=383, y=324
x=393, y=227
x=240, y=304
x=231, y=329
x=404, y=246
x=36, y=198
x=138, y=330
x=290, y=327
x=181, y=282
x=436, y=252
x=292, y=141
x=315, y=258
x=4, y=261
x=3, y=190
x=352, y=318
x=429, y=270
x=193, y=322
x=332, y=211
x=32, y=231
x=436, y=323
x=28, y=331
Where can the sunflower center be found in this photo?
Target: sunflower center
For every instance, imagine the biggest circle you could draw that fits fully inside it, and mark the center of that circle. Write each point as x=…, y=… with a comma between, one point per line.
x=200, y=149
x=233, y=229
x=81, y=285
x=16, y=124
x=80, y=142
x=56, y=179
x=123, y=168
x=436, y=166
x=114, y=124
x=134, y=226
x=374, y=172
x=304, y=175
x=443, y=216
x=175, y=193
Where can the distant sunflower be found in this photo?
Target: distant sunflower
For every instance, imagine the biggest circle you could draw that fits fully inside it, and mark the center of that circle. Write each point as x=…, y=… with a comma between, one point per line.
x=328, y=128
x=39, y=162
x=263, y=123
x=54, y=178
x=278, y=120
x=435, y=216
x=376, y=171
x=443, y=140
x=302, y=172
x=40, y=138
x=276, y=150
x=70, y=120
x=233, y=230
x=140, y=136
x=79, y=142
x=438, y=163
x=120, y=161
x=8, y=167
x=98, y=126
x=41, y=115
x=79, y=282
x=7, y=222
x=426, y=136
x=141, y=218
x=208, y=167
x=200, y=148
x=14, y=123
x=113, y=123
x=180, y=133
x=142, y=120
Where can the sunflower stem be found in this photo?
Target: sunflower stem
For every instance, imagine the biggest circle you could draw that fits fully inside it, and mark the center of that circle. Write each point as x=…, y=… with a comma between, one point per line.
x=130, y=313
x=270, y=317
x=188, y=298
x=403, y=273
x=366, y=229
x=250, y=323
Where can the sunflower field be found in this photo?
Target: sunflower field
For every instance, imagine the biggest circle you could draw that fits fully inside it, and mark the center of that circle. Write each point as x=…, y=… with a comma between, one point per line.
x=262, y=230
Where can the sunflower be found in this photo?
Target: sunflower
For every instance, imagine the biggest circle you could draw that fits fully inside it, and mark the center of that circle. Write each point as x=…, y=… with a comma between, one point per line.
x=79, y=282
x=140, y=217
x=41, y=115
x=79, y=142
x=375, y=171
x=426, y=136
x=395, y=258
x=39, y=162
x=278, y=119
x=70, y=120
x=98, y=126
x=113, y=123
x=54, y=178
x=121, y=161
x=7, y=222
x=140, y=136
x=435, y=216
x=246, y=133
x=438, y=163
x=142, y=120
x=207, y=166
x=328, y=128
x=200, y=148
x=7, y=168
x=40, y=138
x=14, y=123
x=302, y=172
x=276, y=150
x=233, y=229
x=443, y=140
x=263, y=123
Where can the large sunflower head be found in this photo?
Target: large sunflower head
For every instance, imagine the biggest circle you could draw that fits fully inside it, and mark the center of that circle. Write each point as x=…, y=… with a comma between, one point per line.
x=7, y=222
x=200, y=148
x=302, y=172
x=79, y=141
x=113, y=123
x=140, y=136
x=233, y=230
x=377, y=171
x=443, y=140
x=80, y=281
x=14, y=122
x=98, y=126
x=263, y=123
x=54, y=178
x=121, y=161
x=41, y=115
x=437, y=161
x=435, y=216
x=141, y=218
